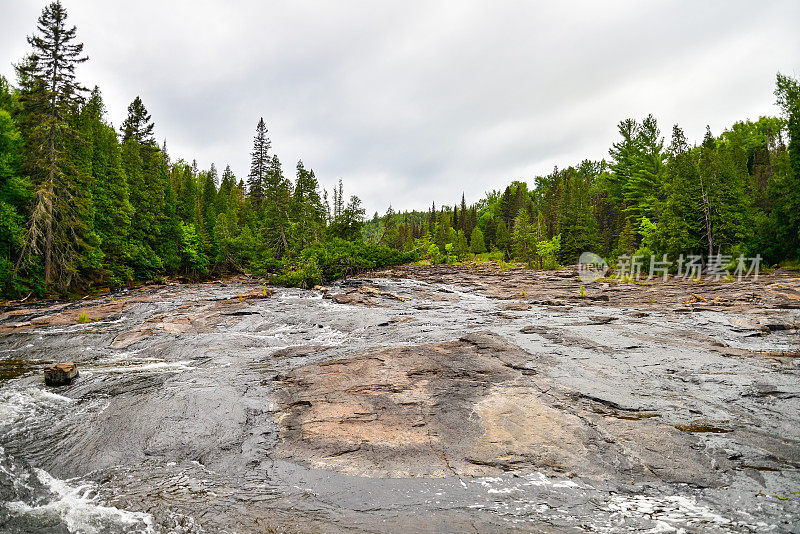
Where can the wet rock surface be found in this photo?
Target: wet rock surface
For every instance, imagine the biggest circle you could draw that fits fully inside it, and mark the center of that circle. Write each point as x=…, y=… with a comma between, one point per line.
x=60, y=374
x=447, y=402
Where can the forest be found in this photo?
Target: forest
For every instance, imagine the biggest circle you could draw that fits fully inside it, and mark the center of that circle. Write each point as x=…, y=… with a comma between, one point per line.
x=734, y=194
x=85, y=205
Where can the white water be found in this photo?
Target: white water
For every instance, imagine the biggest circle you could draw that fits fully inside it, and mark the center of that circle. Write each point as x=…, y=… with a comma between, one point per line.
x=78, y=507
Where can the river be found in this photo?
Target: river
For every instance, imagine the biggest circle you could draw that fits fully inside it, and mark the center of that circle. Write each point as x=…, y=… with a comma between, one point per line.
x=225, y=407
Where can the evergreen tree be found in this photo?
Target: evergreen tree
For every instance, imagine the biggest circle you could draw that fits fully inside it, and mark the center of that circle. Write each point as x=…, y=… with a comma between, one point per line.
x=208, y=210
x=476, y=243
x=259, y=165
x=307, y=210
x=641, y=187
x=577, y=224
x=524, y=238
x=113, y=212
x=624, y=154
x=50, y=97
x=276, y=208
x=502, y=238
x=146, y=171
x=682, y=217
x=138, y=124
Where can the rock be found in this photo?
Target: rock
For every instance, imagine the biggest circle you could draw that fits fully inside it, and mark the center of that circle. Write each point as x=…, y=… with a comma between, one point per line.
x=320, y=288
x=60, y=374
x=472, y=407
x=515, y=306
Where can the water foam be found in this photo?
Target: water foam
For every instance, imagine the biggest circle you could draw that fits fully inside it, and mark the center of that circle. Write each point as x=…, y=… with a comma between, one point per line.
x=18, y=404
x=79, y=509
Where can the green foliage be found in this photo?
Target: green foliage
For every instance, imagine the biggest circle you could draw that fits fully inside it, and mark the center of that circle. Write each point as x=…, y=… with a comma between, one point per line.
x=194, y=262
x=81, y=204
x=477, y=245
x=306, y=275
x=449, y=254
x=435, y=255
x=548, y=251
x=337, y=257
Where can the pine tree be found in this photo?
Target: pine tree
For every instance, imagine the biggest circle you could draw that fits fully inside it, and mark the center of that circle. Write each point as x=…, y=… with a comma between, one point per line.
x=307, y=210
x=623, y=154
x=259, y=165
x=641, y=187
x=682, y=217
x=476, y=242
x=113, y=212
x=276, y=208
x=50, y=98
x=352, y=219
x=146, y=170
x=138, y=124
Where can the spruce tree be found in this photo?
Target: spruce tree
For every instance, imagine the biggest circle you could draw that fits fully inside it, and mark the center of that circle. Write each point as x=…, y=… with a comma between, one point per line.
x=477, y=244
x=259, y=165
x=307, y=210
x=276, y=208
x=138, y=124
x=50, y=98
x=113, y=212
x=146, y=170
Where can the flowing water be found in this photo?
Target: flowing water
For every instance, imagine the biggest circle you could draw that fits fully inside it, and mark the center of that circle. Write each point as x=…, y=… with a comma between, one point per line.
x=170, y=426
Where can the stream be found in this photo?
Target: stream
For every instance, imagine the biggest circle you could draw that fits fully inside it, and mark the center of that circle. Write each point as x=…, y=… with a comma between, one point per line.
x=181, y=418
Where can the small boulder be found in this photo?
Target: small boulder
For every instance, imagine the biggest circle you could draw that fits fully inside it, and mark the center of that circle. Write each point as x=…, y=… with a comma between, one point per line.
x=60, y=374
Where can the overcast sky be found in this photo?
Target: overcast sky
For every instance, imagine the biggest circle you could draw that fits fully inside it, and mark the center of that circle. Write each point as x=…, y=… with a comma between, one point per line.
x=413, y=101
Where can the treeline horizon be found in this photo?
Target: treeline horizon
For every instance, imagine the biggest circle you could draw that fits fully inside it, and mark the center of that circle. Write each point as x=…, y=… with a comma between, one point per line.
x=733, y=194
x=83, y=205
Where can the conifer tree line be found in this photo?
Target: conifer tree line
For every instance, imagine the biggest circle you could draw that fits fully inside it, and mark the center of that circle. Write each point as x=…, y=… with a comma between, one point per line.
x=735, y=193
x=82, y=204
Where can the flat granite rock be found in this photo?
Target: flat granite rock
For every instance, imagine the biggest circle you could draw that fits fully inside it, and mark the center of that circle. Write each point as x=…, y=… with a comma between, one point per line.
x=470, y=407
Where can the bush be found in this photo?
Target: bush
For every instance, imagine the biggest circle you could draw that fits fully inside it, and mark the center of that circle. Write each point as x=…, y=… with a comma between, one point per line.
x=548, y=251
x=434, y=254
x=337, y=258
x=306, y=275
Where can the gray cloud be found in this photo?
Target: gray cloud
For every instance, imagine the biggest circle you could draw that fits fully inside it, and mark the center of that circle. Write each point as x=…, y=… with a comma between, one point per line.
x=414, y=101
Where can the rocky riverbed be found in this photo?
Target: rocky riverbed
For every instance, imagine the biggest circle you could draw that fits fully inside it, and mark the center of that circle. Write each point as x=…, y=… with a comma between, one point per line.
x=418, y=399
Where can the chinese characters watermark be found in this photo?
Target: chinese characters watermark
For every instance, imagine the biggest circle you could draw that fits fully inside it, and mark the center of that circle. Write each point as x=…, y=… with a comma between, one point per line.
x=592, y=267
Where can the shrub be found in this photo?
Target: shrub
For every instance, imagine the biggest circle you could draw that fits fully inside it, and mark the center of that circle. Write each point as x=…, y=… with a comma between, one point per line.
x=337, y=258
x=434, y=254
x=306, y=275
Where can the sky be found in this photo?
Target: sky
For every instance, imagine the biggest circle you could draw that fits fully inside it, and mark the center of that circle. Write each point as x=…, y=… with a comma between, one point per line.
x=410, y=102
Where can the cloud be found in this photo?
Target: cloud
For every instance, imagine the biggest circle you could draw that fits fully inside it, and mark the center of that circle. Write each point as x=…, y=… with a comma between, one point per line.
x=415, y=101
